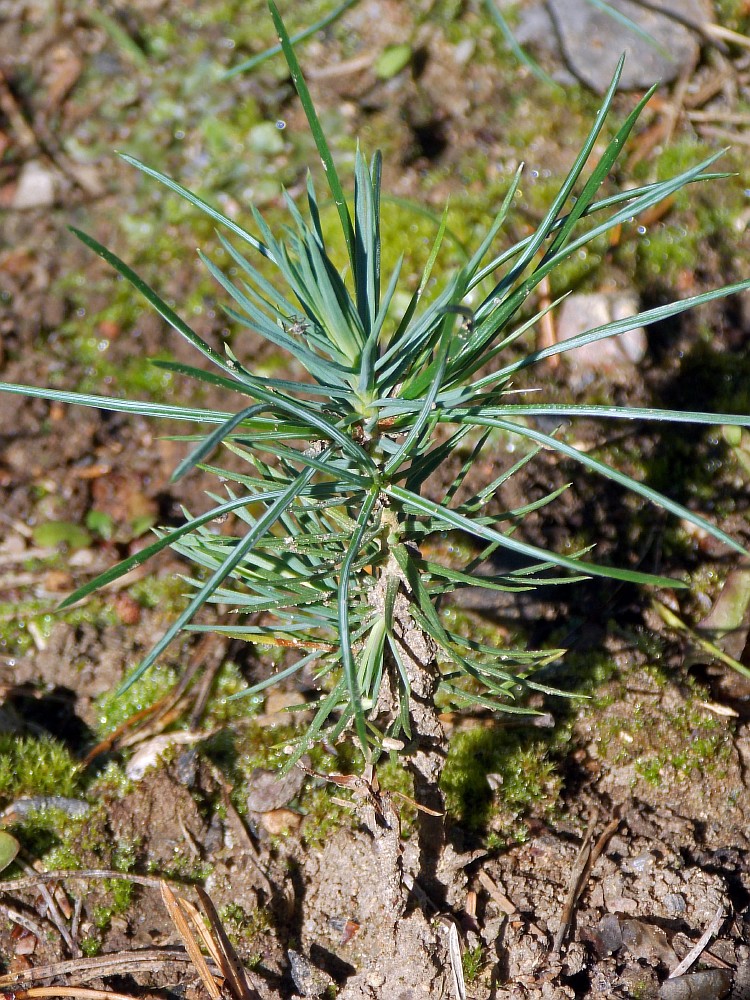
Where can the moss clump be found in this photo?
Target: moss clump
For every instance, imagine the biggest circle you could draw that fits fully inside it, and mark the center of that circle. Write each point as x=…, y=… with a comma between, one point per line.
x=101, y=917
x=253, y=746
x=121, y=896
x=668, y=743
x=25, y=623
x=113, y=709
x=15, y=637
x=221, y=709
x=322, y=816
x=182, y=868
x=666, y=254
x=239, y=753
x=111, y=783
x=699, y=754
x=91, y=946
x=165, y=592
x=471, y=960
x=243, y=929
x=523, y=774
x=31, y=765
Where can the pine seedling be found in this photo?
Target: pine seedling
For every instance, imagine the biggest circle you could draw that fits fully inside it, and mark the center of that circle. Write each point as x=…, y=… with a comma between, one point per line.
x=328, y=556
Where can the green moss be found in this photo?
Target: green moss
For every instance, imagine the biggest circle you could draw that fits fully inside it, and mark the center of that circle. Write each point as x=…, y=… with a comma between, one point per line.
x=15, y=637
x=91, y=946
x=168, y=593
x=31, y=765
x=584, y=671
x=96, y=612
x=244, y=929
x=221, y=709
x=524, y=773
x=182, y=868
x=471, y=961
x=665, y=746
x=668, y=251
x=122, y=893
x=24, y=624
x=59, y=856
x=240, y=921
x=113, y=709
x=733, y=14
x=323, y=817
x=64, y=842
x=120, y=897
x=684, y=756
x=101, y=917
x=263, y=746
x=112, y=783
x=253, y=746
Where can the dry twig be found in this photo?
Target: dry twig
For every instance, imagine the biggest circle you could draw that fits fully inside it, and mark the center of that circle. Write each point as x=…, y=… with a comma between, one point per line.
x=82, y=970
x=54, y=912
x=32, y=881
x=587, y=858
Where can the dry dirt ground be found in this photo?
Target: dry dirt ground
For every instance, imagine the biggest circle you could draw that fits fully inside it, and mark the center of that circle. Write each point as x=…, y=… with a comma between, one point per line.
x=587, y=859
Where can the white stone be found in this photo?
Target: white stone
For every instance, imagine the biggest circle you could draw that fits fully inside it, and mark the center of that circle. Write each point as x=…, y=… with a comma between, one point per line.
x=36, y=187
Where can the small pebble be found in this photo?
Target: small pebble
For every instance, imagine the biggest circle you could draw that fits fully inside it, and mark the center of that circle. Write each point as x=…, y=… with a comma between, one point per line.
x=713, y=984
x=267, y=790
x=311, y=982
x=36, y=187
x=280, y=821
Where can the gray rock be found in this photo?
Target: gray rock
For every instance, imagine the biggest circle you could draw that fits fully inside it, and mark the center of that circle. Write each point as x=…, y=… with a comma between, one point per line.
x=311, y=982
x=268, y=790
x=592, y=41
x=613, y=356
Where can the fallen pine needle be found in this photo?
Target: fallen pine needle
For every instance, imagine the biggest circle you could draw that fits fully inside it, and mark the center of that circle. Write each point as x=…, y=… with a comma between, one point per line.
x=695, y=953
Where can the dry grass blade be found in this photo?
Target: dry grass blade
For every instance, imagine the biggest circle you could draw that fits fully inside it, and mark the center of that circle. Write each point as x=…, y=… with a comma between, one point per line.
x=130, y=725
x=507, y=906
x=228, y=960
x=215, y=939
x=720, y=33
x=675, y=622
x=454, y=951
x=417, y=805
x=23, y=920
x=191, y=912
x=156, y=717
x=177, y=915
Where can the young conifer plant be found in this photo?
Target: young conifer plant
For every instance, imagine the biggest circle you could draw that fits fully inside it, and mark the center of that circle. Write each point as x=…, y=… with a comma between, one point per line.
x=331, y=512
